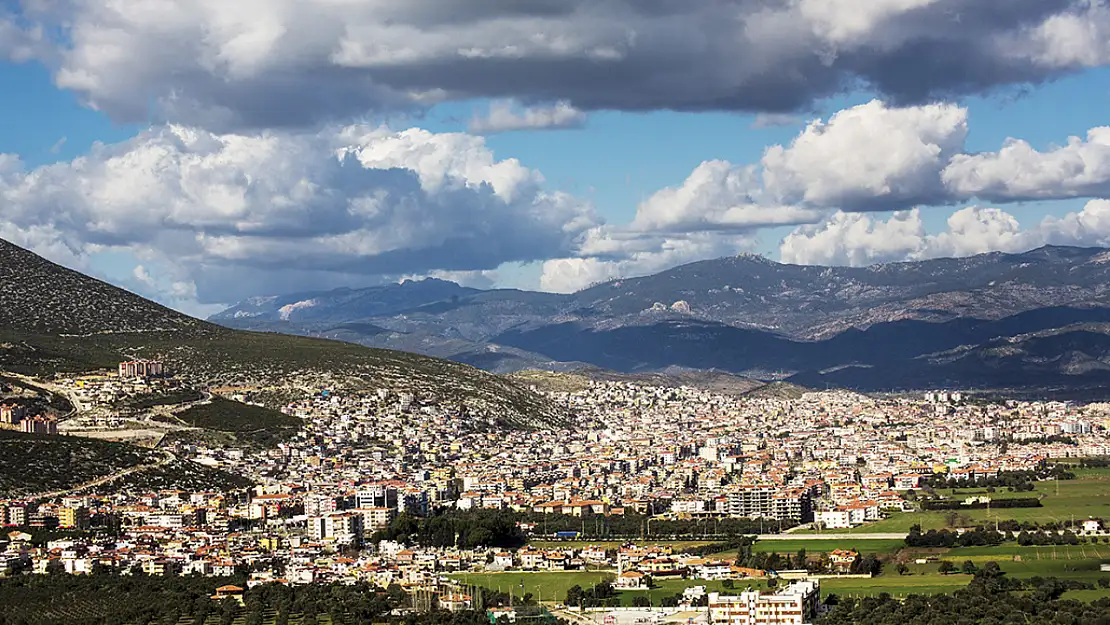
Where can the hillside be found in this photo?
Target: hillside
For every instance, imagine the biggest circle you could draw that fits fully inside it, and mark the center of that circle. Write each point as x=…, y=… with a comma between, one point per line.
x=55, y=319
x=35, y=465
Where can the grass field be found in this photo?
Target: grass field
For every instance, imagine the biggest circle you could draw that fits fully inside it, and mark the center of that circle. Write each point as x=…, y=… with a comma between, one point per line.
x=897, y=586
x=617, y=544
x=790, y=547
x=1086, y=496
x=545, y=586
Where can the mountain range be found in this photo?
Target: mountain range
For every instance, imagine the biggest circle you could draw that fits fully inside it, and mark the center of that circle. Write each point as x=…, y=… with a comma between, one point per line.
x=1037, y=320
x=53, y=319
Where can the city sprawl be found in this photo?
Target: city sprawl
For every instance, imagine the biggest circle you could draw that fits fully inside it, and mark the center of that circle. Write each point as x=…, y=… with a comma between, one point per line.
x=641, y=464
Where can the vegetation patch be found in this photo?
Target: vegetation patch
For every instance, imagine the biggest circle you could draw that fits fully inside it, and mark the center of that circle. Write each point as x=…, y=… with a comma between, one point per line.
x=250, y=424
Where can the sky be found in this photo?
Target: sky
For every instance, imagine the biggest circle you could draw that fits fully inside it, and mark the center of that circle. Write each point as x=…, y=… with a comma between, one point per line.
x=200, y=152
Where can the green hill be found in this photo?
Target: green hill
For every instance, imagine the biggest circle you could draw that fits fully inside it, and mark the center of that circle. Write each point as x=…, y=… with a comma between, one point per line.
x=53, y=319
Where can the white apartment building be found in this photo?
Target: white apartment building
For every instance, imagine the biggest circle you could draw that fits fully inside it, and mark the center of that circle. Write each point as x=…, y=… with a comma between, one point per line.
x=344, y=528
x=796, y=604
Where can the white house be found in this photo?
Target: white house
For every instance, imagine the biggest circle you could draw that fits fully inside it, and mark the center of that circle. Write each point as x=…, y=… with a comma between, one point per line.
x=631, y=580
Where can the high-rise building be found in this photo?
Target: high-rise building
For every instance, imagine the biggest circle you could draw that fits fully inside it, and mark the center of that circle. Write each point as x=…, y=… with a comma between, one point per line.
x=376, y=496
x=39, y=425
x=343, y=527
x=141, y=369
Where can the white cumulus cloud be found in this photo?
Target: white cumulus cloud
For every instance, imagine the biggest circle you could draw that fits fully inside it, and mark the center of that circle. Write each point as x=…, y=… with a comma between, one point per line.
x=233, y=215
x=871, y=156
x=1019, y=172
x=859, y=239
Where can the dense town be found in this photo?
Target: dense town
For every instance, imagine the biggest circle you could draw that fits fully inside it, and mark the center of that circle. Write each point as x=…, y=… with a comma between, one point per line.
x=326, y=498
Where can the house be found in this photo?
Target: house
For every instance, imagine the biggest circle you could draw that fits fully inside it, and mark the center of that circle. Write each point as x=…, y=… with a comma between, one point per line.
x=228, y=592
x=455, y=602
x=842, y=559
x=1092, y=526
x=631, y=580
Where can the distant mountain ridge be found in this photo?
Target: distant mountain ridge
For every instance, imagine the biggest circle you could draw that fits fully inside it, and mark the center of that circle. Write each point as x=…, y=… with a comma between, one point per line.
x=53, y=319
x=991, y=320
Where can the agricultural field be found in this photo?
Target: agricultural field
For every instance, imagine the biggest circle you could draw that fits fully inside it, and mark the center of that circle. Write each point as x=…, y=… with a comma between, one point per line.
x=544, y=586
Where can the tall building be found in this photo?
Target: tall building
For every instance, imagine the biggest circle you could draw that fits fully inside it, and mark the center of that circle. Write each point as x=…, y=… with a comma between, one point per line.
x=343, y=528
x=141, y=369
x=376, y=496
x=74, y=518
x=796, y=604
x=39, y=425
x=17, y=515
x=11, y=414
x=770, y=502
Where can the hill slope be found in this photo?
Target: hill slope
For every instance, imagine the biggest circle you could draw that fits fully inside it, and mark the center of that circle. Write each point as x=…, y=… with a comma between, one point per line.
x=56, y=319
x=36, y=465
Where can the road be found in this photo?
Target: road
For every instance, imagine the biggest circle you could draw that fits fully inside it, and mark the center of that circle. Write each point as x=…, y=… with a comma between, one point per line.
x=78, y=407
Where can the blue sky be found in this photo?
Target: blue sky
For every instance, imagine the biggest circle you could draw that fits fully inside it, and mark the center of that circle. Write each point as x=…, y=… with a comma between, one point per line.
x=223, y=79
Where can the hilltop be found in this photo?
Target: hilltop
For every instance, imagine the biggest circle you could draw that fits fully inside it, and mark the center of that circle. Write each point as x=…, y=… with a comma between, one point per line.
x=53, y=319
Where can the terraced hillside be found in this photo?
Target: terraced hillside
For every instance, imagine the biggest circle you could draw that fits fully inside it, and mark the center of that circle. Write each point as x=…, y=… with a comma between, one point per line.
x=55, y=319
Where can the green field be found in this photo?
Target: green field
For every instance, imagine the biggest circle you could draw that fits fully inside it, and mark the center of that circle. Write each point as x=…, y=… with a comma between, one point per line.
x=617, y=544
x=1086, y=496
x=544, y=586
x=897, y=586
x=1076, y=562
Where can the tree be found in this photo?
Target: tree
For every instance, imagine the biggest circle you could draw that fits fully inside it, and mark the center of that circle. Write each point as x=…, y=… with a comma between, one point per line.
x=969, y=567
x=946, y=567
x=641, y=601
x=902, y=568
